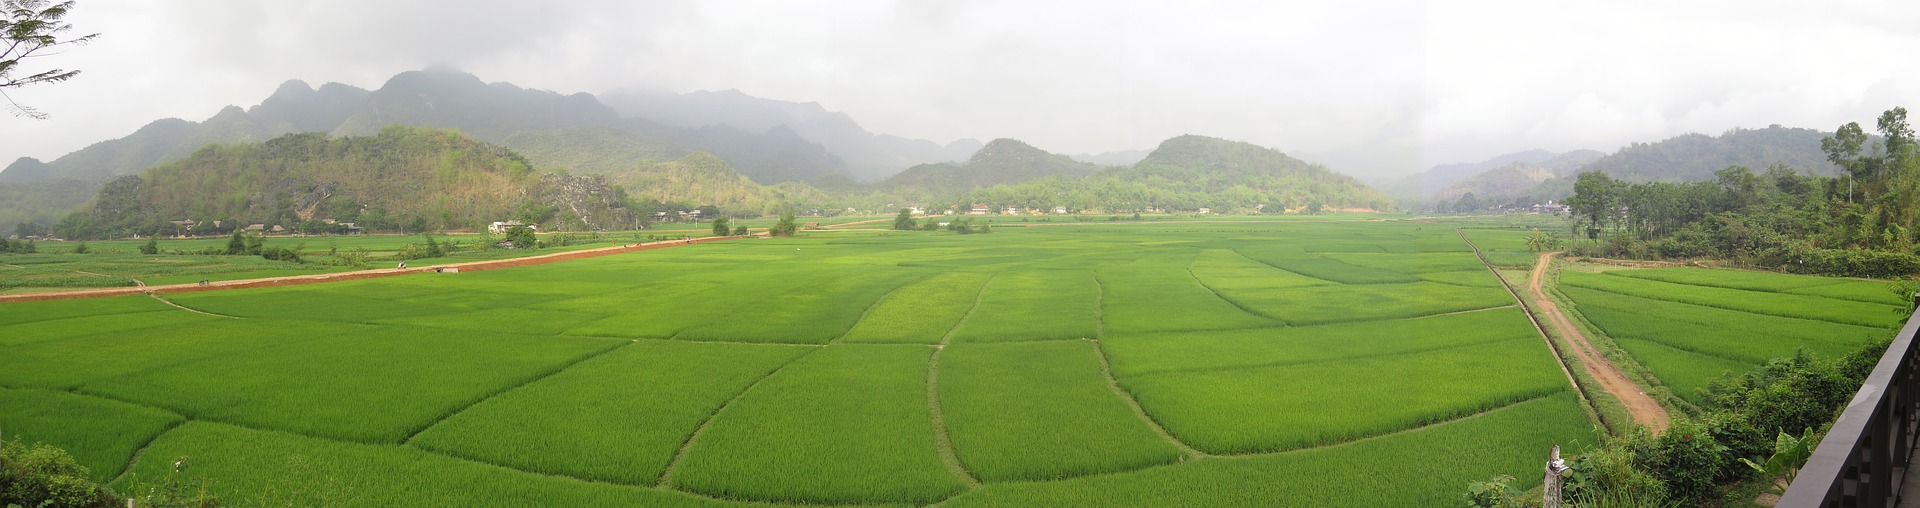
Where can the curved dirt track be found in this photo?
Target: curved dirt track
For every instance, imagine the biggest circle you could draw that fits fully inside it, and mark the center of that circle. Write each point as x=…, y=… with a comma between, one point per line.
x=294, y=280
x=1643, y=408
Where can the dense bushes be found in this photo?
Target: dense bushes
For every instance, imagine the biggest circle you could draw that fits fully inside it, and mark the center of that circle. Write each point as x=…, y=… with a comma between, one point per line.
x=44, y=476
x=1768, y=416
x=1851, y=262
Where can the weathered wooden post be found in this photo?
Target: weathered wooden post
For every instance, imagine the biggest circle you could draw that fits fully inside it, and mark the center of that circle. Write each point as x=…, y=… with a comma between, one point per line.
x=1555, y=466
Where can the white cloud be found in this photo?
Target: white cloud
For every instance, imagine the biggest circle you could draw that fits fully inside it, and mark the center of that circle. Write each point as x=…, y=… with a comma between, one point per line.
x=1369, y=88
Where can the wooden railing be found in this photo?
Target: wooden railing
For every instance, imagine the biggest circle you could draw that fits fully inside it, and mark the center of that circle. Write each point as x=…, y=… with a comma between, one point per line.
x=1863, y=460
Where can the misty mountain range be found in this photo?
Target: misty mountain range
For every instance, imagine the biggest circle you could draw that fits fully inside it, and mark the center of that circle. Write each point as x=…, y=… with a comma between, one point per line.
x=627, y=133
x=1535, y=176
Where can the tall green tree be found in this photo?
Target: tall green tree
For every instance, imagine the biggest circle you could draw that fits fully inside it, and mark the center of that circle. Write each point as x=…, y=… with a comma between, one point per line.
x=1843, y=150
x=904, y=221
x=29, y=27
x=1595, y=196
x=237, y=244
x=720, y=227
x=786, y=226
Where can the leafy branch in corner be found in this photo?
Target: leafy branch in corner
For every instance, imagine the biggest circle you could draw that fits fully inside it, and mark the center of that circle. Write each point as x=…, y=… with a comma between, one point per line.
x=28, y=28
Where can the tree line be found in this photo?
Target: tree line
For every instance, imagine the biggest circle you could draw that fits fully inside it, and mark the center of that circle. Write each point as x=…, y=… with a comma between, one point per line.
x=1855, y=224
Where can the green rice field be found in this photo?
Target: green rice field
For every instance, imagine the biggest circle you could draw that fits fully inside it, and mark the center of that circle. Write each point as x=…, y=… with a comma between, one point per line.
x=1223, y=362
x=1688, y=326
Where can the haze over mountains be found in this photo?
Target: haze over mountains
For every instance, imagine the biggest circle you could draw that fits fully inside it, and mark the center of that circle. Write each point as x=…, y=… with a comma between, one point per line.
x=1537, y=175
x=752, y=155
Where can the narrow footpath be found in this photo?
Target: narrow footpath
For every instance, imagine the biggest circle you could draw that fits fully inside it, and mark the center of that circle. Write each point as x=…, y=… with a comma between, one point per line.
x=1643, y=408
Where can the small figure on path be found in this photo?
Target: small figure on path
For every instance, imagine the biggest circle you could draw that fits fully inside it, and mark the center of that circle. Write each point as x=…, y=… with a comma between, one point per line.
x=403, y=265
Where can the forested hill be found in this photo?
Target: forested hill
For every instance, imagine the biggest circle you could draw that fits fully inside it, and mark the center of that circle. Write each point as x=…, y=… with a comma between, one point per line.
x=1002, y=161
x=1234, y=169
x=708, y=181
x=403, y=178
x=1695, y=157
x=1190, y=172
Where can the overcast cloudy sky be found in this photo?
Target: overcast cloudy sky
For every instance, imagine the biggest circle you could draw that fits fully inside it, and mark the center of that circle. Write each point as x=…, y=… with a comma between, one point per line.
x=1368, y=87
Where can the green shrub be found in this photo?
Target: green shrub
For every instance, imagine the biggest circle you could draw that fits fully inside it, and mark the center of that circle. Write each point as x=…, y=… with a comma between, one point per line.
x=1851, y=262
x=45, y=476
x=1689, y=461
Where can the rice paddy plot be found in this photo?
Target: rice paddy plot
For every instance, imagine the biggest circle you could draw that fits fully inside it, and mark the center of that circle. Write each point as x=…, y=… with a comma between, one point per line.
x=1340, y=304
x=1855, y=290
x=1731, y=341
x=248, y=467
x=654, y=311
x=69, y=363
x=1229, y=270
x=1411, y=263
x=1040, y=411
x=1733, y=279
x=846, y=424
x=619, y=417
x=1139, y=354
x=115, y=324
x=1034, y=305
x=346, y=381
x=100, y=434
x=19, y=313
x=514, y=320
x=814, y=307
x=312, y=303
x=921, y=312
x=1760, y=302
x=1684, y=372
x=1786, y=330
x=1265, y=409
x=1325, y=268
x=1416, y=469
x=1479, y=277
x=1158, y=293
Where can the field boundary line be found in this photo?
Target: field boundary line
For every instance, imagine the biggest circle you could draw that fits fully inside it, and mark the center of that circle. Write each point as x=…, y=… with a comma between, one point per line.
x=1099, y=306
x=943, y=442
x=1270, y=264
x=977, y=298
x=1256, y=455
x=666, y=474
x=1106, y=371
x=142, y=450
x=189, y=309
x=1266, y=365
x=1725, y=308
x=296, y=280
x=1544, y=336
x=1235, y=303
x=463, y=408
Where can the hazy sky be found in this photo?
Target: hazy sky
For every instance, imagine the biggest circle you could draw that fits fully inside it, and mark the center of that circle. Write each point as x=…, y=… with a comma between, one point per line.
x=1366, y=87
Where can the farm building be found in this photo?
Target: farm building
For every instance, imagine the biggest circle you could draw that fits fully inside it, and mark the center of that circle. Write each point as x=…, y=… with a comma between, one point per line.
x=501, y=227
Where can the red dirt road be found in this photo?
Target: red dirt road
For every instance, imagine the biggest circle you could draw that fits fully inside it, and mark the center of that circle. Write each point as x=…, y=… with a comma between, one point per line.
x=363, y=274
x=1643, y=408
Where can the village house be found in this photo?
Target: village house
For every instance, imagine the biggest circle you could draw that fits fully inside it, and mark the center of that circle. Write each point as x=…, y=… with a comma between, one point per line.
x=1060, y=210
x=501, y=227
x=978, y=210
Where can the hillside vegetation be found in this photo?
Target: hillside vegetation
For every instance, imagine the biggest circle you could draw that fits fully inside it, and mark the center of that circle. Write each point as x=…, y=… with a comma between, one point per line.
x=403, y=178
x=1192, y=172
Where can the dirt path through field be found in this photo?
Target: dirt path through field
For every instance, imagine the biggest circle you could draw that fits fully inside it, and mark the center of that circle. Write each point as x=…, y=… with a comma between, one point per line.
x=294, y=280
x=1643, y=408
